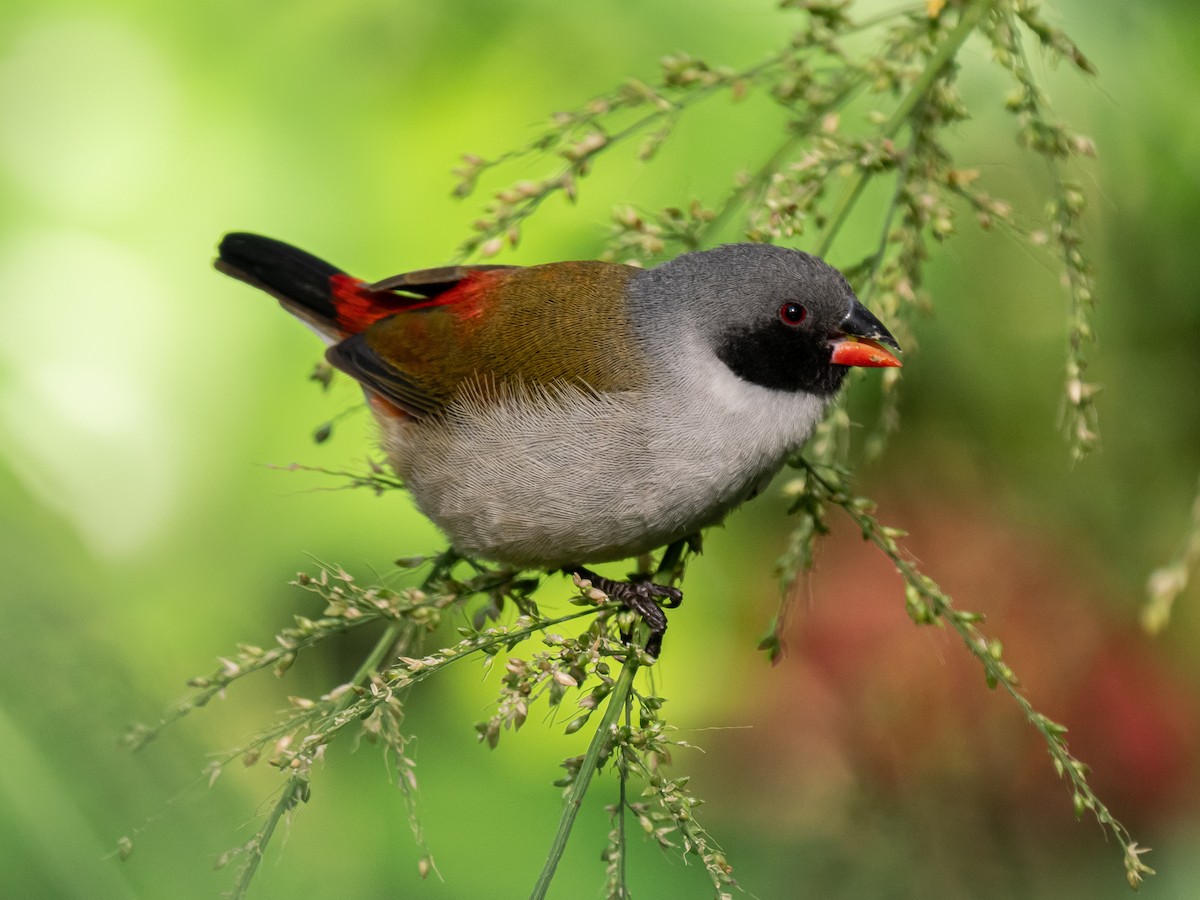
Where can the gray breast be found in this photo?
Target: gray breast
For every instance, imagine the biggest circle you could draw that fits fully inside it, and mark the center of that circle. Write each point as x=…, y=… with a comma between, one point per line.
x=548, y=478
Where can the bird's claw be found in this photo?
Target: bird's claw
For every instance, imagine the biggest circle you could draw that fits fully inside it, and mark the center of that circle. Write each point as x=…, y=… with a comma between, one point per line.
x=643, y=597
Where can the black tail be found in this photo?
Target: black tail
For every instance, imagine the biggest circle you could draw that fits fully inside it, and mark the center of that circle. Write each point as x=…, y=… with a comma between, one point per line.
x=296, y=279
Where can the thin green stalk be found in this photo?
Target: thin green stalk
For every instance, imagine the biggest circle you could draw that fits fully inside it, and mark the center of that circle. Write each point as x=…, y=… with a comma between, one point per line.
x=845, y=205
x=1169, y=581
x=370, y=665
x=578, y=165
x=754, y=186
x=601, y=742
x=293, y=792
x=968, y=21
x=296, y=788
x=888, y=218
x=928, y=604
x=946, y=51
x=622, y=799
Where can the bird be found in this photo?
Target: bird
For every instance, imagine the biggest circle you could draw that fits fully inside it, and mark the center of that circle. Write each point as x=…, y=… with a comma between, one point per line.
x=561, y=415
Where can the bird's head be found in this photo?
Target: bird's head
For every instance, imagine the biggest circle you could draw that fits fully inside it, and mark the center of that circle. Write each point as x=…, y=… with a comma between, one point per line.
x=777, y=318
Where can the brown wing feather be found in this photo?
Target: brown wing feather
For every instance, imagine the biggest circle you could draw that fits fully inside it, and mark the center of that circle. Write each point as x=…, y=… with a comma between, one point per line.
x=356, y=358
x=562, y=324
x=430, y=282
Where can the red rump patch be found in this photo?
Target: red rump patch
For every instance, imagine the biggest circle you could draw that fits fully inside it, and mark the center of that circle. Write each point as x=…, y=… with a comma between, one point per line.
x=385, y=407
x=469, y=297
x=358, y=307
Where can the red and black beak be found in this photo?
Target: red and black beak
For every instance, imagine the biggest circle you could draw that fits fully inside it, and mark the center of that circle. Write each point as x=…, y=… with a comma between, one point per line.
x=860, y=340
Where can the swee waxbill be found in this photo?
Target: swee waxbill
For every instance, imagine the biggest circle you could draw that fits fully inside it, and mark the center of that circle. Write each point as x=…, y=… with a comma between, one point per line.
x=581, y=412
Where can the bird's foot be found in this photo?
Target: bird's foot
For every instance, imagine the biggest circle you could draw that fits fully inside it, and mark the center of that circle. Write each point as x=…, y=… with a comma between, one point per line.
x=643, y=597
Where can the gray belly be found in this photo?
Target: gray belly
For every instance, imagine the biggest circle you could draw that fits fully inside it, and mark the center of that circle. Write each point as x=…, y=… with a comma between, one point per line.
x=552, y=480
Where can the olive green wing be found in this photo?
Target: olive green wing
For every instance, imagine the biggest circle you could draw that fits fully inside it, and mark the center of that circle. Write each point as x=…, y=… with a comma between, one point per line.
x=552, y=325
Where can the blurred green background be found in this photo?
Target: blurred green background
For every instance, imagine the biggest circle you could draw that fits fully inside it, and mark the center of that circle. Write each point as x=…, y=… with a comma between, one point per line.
x=143, y=396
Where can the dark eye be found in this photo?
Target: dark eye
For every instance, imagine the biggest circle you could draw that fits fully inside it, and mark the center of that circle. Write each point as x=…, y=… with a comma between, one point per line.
x=792, y=313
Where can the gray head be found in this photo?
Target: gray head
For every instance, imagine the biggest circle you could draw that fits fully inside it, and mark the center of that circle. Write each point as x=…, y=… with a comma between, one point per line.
x=774, y=316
